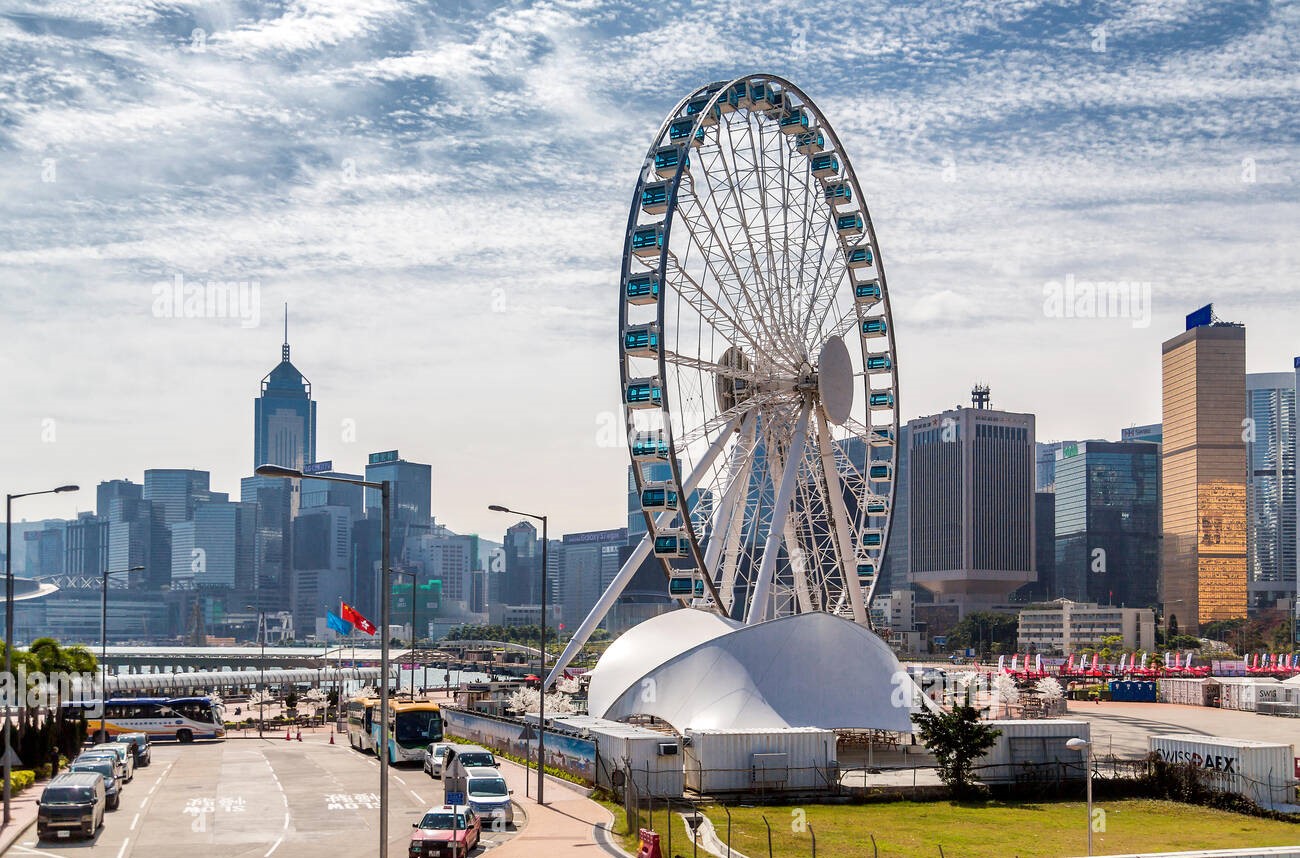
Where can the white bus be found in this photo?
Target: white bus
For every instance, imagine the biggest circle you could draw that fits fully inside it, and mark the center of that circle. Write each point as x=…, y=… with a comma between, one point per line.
x=181, y=718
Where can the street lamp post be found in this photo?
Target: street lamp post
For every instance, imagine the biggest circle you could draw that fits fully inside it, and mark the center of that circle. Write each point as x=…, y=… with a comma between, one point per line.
x=1085, y=746
x=261, y=666
x=385, y=578
x=103, y=643
x=541, y=698
x=9, y=628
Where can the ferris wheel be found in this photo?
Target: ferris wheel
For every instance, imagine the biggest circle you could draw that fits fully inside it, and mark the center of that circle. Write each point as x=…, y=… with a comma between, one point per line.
x=757, y=361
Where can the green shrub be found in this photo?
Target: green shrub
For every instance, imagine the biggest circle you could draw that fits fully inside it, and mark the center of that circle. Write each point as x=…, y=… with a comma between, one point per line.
x=21, y=779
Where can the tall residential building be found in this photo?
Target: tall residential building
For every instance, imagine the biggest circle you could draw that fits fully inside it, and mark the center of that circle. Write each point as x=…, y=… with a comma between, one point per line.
x=971, y=506
x=1108, y=523
x=175, y=491
x=284, y=415
x=1271, y=487
x=1203, y=473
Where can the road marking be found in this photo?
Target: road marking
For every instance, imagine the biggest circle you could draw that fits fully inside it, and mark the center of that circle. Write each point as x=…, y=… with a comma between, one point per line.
x=274, y=846
x=122, y=851
x=134, y=820
x=286, y=820
x=400, y=778
x=418, y=797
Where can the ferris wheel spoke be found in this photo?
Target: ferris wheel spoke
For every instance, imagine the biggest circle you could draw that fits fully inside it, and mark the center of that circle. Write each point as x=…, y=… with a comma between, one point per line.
x=763, y=285
x=708, y=309
x=844, y=544
x=720, y=241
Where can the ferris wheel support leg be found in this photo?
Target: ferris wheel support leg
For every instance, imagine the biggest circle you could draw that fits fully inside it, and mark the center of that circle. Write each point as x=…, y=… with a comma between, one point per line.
x=738, y=480
x=638, y=556
x=848, y=561
x=780, y=512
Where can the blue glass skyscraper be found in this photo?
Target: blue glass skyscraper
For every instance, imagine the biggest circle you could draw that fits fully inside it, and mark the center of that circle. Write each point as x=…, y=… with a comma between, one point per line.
x=284, y=429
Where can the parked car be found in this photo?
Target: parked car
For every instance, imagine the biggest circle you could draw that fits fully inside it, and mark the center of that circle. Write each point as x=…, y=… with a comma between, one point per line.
x=470, y=756
x=73, y=802
x=119, y=765
x=141, y=750
x=487, y=793
x=121, y=750
x=447, y=831
x=434, y=756
x=102, y=766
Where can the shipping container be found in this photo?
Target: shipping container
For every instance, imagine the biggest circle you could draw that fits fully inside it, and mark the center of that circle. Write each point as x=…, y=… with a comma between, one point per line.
x=730, y=761
x=652, y=759
x=1261, y=771
x=1033, y=750
x=1241, y=693
x=1188, y=692
x=1132, y=691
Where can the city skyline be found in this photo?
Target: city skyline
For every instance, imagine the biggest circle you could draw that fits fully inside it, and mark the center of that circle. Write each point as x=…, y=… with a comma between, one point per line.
x=410, y=313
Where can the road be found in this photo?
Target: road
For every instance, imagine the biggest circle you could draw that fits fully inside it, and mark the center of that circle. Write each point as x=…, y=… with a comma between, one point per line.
x=250, y=798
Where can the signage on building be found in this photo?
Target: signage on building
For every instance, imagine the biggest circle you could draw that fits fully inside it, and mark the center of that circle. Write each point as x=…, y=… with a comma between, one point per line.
x=1069, y=451
x=384, y=457
x=1200, y=318
x=319, y=467
x=616, y=535
x=940, y=640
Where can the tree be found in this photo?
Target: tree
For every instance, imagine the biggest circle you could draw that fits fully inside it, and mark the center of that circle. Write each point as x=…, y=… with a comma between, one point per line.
x=988, y=630
x=956, y=739
x=1005, y=691
x=1049, y=688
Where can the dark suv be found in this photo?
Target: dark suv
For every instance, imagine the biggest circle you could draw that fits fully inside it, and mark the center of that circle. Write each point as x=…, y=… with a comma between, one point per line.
x=71, y=802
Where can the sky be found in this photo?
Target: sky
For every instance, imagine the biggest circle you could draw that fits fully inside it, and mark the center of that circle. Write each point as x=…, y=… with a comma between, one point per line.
x=439, y=192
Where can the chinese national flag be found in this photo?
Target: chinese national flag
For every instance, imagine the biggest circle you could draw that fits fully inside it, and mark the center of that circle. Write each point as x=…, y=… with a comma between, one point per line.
x=353, y=616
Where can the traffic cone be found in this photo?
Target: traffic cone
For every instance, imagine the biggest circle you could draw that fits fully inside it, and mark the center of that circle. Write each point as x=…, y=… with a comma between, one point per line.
x=299, y=734
x=286, y=735
x=331, y=737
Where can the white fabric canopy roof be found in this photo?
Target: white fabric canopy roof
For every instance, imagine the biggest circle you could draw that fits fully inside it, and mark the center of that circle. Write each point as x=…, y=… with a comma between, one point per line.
x=697, y=670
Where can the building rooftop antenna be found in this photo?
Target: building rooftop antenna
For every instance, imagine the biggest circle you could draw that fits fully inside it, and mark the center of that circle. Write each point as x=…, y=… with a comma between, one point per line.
x=979, y=396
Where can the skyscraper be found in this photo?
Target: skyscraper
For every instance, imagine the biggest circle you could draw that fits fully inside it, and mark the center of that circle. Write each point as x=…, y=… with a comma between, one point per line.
x=1107, y=518
x=1271, y=487
x=971, y=506
x=284, y=415
x=412, y=496
x=175, y=491
x=1150, y=433
x=587, y=565
x=522, y=583
x=1203, y=472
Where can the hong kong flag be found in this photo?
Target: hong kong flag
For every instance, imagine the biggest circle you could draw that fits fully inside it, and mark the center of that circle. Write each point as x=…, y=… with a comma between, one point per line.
x=353, y=616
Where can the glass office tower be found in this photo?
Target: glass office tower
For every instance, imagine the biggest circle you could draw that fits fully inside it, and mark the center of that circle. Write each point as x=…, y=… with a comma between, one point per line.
x=1271, y=487
x=1107, y=516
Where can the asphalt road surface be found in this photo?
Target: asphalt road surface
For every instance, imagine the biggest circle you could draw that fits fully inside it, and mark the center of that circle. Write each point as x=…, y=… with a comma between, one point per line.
x=249, y=798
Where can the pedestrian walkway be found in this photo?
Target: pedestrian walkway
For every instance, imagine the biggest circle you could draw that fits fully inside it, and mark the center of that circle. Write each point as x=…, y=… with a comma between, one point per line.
x=22, y=811
x=565, y=826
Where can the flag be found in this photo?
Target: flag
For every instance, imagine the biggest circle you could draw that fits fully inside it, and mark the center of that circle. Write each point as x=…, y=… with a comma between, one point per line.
x=337, y=623
x=353, y=616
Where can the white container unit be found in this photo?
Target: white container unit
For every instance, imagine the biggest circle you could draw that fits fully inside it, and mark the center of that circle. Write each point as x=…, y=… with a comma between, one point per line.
x=1188, y=692
x=1034, y=748
x=653, y=758
x=1242, y=692
x=1261, y=771
x=796, y=758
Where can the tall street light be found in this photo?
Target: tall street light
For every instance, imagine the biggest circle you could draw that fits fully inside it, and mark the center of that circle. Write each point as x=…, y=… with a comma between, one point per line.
x=261, y=663
x=1086, y=747
x=541, y=698
x=414, y=581
x=9, y=623
x=385, y=494
x=103, y=643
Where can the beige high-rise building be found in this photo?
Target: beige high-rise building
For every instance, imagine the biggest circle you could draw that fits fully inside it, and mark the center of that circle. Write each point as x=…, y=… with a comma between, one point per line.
x=1203, y=473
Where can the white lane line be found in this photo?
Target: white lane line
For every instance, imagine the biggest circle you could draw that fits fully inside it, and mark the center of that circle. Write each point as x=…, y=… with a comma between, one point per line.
x=134, y=820
x=286, y=820
x=403, y=780
x=274, y=846
x=418, y=797
x=122, y=851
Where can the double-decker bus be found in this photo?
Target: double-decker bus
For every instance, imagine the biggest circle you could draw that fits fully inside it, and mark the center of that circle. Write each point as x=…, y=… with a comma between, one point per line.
x=181, y=718
x=412, y=726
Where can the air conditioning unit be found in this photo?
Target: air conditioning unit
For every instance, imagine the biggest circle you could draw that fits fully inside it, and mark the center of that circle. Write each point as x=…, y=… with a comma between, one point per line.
x=667, y=749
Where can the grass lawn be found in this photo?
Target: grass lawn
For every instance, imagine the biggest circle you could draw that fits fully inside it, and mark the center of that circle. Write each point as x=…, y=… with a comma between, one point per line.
x=995, y=829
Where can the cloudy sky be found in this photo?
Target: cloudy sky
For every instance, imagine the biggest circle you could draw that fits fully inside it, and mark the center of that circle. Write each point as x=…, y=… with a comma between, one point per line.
x=439, y=191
